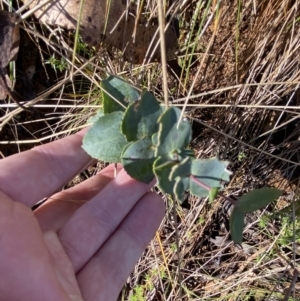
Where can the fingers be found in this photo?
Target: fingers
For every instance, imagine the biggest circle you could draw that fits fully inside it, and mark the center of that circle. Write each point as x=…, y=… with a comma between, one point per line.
x=63, y=266
x=104, y=275
x=25, y=263
x=94, y=222
x=53, y=214
x=38, y=173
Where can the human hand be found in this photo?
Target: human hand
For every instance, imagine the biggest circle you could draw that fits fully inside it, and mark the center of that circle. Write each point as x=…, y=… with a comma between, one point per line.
x=84, y=241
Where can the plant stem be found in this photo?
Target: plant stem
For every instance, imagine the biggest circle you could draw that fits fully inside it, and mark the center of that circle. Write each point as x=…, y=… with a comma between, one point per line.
x=200, y=183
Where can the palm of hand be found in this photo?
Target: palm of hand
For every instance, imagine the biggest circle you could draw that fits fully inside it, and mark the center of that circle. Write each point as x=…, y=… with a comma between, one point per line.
x=83, y=243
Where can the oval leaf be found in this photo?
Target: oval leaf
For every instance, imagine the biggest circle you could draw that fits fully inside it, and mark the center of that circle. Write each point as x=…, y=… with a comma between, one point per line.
x=181, y=185
x=257, y=199
x=181, y=170
x=94, y=118
x=140, y=118
x=162, y=168
x=138, y=159
x=117, y=94
x=171, y=137
x=210, y=172
x=180, y=173
x=104, y=141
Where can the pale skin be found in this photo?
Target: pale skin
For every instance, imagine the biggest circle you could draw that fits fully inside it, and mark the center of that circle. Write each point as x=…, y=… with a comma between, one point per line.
x=83, y=242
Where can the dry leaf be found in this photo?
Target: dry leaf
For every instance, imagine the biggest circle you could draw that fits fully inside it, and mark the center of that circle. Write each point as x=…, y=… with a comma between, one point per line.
x=106, y=20
x=9, y=37
x=9, y=47
x=5, y=85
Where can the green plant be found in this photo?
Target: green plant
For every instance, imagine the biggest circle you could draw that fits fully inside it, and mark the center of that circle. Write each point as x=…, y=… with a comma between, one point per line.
x=149, y=285
x=263, y=221
x=290, y=226
x=83, y=49
x=241, y=156
x=173, y=247
x=201, y=220
x=152, y=141
x=138, y=294
x=57, y=64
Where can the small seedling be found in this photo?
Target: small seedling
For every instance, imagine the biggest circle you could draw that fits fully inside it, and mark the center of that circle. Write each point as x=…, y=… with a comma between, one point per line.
x=151, y=141
x=241, y=156
x=57, y=64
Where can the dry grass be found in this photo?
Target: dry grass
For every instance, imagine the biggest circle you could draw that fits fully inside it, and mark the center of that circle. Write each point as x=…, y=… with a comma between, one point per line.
x=240, y=87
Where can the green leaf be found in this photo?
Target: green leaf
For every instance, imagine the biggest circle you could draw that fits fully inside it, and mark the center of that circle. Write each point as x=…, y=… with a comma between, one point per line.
x=181, y=185
x=140, y=118
x=171, y=138
x=94, y=118
x=213, y=193
x=138, y=158
x=155, y=139
x=104, y=141
x=257, y=199
x=210, y=173
x=186, y=153
x=181, y=170
x=237, y=225
x=162, y=169
x=117, y=94
x=180, y=173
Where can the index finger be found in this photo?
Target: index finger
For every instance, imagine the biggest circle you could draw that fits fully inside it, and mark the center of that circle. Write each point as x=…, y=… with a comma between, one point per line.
x=38, y=173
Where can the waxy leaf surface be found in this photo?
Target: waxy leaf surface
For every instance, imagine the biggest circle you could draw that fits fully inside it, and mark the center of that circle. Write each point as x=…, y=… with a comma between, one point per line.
x=138, y=159
x=162, y=168
x=170, y=137
x=182, y=169
x=180, y=187
x=180, y=173
x=210, y=172
x=104, y=141
x=94, y=118
x=140, y=118
x=117, y=94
